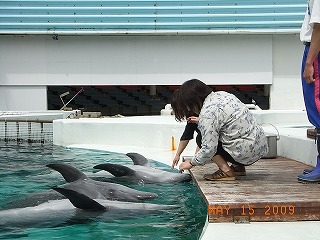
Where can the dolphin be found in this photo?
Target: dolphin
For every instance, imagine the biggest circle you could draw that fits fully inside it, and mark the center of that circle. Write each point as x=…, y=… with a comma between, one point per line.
x=32, y=199
x=51, y=213
x=76, y=208
x=142, y=170
x=84, y=202
x=78, y=181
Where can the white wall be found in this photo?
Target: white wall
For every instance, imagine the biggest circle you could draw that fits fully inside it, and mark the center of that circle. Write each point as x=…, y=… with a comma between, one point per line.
x=23, y=98
x=39, y=61
x=152, y=132
x=286, y=90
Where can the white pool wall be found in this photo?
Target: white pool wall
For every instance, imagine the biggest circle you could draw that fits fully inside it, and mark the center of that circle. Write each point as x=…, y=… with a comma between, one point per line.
x=146, y=133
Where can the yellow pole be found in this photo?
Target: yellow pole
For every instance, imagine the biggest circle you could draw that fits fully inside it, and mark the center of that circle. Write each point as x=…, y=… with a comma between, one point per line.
x=173, y=146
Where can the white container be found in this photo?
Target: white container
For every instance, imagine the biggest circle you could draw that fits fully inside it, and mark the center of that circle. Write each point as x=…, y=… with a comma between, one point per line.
x=272, y=144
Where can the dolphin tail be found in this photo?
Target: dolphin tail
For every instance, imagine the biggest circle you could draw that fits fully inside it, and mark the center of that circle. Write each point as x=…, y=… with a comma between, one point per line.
x=138, y=159
x=80, y=200
x=115, y=169
x=69, y=173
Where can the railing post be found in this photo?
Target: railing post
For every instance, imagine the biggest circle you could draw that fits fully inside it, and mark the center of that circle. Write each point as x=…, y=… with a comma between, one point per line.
x=17, y=128
x=5, y=130
x=29, y=132
x=42, y=136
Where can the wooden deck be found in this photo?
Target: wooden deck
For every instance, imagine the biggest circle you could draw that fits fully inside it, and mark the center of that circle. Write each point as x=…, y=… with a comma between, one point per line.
x=269, y=192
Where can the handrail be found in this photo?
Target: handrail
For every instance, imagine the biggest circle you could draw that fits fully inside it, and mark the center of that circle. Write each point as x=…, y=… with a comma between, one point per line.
x=25, y=120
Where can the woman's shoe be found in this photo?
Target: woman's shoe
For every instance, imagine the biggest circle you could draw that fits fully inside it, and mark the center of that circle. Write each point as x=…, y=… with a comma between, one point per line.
x=220, y=176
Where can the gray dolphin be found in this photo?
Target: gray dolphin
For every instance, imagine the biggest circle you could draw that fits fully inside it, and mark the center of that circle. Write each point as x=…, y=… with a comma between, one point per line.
x=51, y=213
x=78, y=208
x=78, y=181
x=141, y=170
x=85, y=202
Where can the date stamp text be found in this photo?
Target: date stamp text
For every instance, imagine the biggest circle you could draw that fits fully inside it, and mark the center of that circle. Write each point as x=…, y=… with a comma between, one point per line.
x=250, y=210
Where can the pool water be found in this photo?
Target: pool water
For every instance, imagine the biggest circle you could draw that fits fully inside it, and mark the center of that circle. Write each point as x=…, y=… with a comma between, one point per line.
x=23, y=174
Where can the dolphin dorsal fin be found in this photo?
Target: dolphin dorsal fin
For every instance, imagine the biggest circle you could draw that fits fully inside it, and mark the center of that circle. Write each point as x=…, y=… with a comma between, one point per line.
x=69, y=173
x=115, y=169
x=138, y=159
x=80, y=200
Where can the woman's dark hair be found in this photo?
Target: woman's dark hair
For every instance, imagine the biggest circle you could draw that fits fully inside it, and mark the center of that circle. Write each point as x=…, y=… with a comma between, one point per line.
x=188, y=100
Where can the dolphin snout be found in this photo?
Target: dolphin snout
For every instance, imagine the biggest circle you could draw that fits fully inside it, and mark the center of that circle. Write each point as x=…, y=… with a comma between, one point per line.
x=135, y=196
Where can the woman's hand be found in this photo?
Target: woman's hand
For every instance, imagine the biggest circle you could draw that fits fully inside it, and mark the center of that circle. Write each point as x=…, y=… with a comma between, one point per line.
x=185, y=166
x=192, y=119
x=175, y=161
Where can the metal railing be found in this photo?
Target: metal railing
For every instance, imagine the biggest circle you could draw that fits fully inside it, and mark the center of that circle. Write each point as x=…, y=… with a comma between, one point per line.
x=29, y=130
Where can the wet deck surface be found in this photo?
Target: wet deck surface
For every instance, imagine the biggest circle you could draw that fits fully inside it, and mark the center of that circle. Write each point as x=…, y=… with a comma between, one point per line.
x=269, y=192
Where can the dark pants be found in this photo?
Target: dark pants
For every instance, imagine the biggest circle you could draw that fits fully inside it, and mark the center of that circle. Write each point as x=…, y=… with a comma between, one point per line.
x=225, y=155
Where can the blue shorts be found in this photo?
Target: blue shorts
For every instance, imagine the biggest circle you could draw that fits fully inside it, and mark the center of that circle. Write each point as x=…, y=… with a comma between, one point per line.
x=311, y=92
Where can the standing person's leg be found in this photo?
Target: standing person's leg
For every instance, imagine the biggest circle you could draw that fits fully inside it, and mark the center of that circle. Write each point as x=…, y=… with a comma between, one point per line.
x=311, y=93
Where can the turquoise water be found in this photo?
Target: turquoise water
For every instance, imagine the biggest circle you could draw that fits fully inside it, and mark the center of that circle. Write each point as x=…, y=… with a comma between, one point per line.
x=23, y=174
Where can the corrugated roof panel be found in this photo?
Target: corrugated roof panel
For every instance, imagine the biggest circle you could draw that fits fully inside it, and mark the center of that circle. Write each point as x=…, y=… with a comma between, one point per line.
x=123, y=16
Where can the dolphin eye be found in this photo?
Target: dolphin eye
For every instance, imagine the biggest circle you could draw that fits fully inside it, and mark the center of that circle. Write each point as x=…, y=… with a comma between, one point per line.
x=112, y=195
x=111, y=191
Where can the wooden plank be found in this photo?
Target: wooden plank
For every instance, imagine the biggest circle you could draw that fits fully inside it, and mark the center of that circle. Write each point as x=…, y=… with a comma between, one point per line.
x=269, y=192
